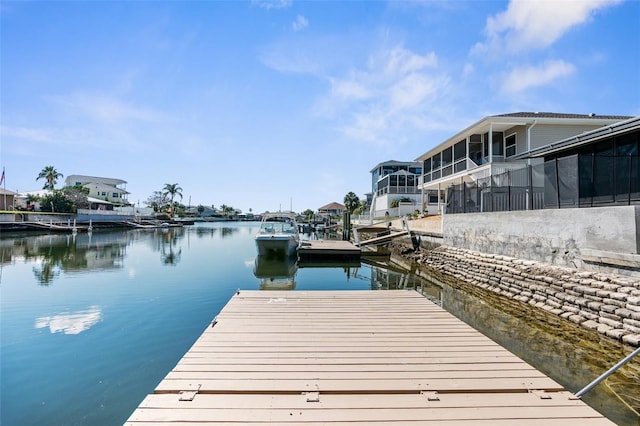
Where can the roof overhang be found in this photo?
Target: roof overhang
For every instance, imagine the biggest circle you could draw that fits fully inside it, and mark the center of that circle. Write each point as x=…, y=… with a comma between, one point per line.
x=501, y=123
x=396, y=163
x=607, y=131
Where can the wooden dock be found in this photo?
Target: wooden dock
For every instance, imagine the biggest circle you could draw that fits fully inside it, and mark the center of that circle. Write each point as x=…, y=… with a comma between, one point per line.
x=352, y=358
x=328, y=250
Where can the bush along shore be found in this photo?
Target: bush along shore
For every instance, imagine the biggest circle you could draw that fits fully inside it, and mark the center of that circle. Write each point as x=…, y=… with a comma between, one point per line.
x=600, y=302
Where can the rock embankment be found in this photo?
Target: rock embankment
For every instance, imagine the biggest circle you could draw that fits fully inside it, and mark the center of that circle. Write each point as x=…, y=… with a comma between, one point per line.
x=606, y=303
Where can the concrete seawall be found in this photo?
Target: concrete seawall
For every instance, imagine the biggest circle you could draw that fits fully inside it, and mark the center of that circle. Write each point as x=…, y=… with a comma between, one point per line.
x=607, y=303
x=604, y=239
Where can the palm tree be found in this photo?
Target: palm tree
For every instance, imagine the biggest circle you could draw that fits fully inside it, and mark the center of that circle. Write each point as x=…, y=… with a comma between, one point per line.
x=351, y=201
x=51, y=175
x=172, y=189
x=227, y=211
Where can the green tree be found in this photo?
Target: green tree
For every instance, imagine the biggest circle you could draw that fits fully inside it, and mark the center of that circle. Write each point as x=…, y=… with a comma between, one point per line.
x=51, y=175
x=156, y=200
x=228, y=210
x=308, y=214
x=361, y=207
x=172, y=190
x=351, y=201
x=78, y=195
x=57, y=202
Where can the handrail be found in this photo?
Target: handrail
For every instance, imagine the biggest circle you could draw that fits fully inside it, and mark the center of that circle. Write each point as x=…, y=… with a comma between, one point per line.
x=608, y=373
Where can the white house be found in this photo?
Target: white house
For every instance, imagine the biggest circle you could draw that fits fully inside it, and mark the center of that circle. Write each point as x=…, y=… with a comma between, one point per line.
x=492, y=145
x=395, y=182
x=108, y=189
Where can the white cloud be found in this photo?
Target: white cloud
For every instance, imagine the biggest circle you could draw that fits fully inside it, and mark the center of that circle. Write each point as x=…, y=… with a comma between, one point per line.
x=300, y=23
x=412, y=90
x=369, y=126
x=374, y=99
x=396, y=89
x=27, y=134
x=468, y=69
x=528, y=24
x=349, y=89
x=400, y=61
x=272, y=4
x=71, y=322
x=103, y=108
x=522, y=78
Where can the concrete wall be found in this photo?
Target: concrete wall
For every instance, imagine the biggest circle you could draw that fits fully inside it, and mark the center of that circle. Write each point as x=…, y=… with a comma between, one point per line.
x=557, y=236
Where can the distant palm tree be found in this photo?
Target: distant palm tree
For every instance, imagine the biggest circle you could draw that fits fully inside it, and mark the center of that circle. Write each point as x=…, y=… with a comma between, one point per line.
x=172, y=190
x=351, y=201
x=228, y=210
x=51, y=175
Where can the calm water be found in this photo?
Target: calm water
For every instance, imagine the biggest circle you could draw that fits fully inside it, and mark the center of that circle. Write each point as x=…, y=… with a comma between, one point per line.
x=91, y=324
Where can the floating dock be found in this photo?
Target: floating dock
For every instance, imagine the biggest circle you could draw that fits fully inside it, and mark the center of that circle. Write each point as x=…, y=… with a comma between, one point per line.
x=357, y=358
x=328, y=250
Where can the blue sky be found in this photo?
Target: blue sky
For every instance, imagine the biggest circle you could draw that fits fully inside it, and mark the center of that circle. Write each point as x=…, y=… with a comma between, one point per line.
x=265, y=105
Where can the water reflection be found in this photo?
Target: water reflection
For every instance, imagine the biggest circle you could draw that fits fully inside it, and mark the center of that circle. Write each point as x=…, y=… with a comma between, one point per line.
x=71, y=322
x=54, y=254
x=275, y=273
x=166, y=242
x=387, y=275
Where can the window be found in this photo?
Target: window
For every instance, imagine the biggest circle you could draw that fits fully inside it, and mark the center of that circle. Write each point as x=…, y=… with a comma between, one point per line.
x=460, y=150
x=510, y=145
x=498, y=144
x=104, y=194
x=427, y=165
x=436, y=162
x=115, y=195
x=485, y=145
x=447, y=156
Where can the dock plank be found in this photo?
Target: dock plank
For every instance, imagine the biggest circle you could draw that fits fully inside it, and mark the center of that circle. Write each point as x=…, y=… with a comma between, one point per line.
x=353, y=358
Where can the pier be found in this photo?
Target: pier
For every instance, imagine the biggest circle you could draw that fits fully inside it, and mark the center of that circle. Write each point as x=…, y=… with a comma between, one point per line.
x=356, y=357
x=328, y=250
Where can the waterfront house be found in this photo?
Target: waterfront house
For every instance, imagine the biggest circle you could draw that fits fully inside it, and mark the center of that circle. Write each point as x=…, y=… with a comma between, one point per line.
x=108, y=189
x=7, y=199
x=394, y=188
x=596, y=168
x=332, y=209
x=468, y=167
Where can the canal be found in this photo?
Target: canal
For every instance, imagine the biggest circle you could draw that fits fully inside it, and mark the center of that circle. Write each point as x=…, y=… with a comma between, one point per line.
x=91, y=323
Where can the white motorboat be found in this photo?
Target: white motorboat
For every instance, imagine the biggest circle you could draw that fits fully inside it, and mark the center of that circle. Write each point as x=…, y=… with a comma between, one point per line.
x=278, y=235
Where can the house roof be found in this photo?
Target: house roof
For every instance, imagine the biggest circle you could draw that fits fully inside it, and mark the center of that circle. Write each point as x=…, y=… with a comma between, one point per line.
x=72, y=179
x=37, y=193
x=97, y=201
x=503, y=122
x=397, y=163
x=7, y=192
x=556, y=115
x=333, y=206
x=584, y=138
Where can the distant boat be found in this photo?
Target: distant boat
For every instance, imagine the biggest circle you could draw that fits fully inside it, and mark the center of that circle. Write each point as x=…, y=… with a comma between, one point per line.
x=278, y=235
